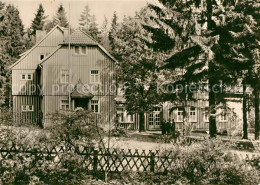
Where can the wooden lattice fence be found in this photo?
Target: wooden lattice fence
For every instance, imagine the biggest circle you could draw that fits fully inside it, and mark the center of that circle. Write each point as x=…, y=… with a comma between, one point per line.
x=93, y=159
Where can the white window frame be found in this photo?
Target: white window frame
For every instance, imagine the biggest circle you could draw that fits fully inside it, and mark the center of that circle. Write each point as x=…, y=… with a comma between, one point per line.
x=223, y=117
x=26, y=76
x=179, y=115
x=62, y=104
x=206, y=116
x=192, y=114
x=64, y=76
x=151, y=118
x=94, y=104
x=27, y=108
x=94, y=78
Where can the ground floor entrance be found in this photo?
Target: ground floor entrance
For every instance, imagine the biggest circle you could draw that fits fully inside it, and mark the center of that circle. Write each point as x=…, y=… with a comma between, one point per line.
x=154, y=119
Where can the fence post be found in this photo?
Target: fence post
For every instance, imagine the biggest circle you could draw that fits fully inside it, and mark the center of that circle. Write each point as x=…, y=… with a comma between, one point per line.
x=95, y=161
x=152, y=161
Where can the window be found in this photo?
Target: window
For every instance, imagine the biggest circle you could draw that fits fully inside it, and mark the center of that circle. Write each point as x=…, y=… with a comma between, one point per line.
x=206, y=117
x=83, y=50
x=26, y=76
x=76, y=49
x=27, y=108
x=192, y=116
x=223, y=117
x=42, y=56
x=94, y=76
x=120, y=109
x=64, y=105
x=157, y=119
x=65, y=76
x=151, y=118
x=121, y=117
x=179, y=115
x=131, y=118
x=29, y=77
x=24, y=108
x=94, y=105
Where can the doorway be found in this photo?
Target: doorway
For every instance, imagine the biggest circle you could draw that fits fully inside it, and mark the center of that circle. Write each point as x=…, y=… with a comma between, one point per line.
x=155, y=119
x=81, y=103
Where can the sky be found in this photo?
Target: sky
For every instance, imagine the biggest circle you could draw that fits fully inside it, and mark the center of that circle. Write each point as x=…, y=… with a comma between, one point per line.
x=28, y=8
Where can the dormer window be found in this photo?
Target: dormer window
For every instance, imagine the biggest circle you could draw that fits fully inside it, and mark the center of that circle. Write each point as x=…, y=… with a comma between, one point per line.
x=80, y=50
x=76, y=49
x=83, y=50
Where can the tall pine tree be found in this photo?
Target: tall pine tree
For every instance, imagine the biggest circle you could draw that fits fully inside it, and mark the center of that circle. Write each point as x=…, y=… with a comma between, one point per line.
x=85, y=18
x=104, y=33
x=204, y=51
x=112, y=32
x=38, y=21
x=60, y=18
x=12, y=45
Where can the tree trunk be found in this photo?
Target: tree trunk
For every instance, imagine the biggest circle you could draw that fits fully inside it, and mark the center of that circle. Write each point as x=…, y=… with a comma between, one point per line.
x=245, y=136
x=256, y=93
x=212, y=101
x=212, y=119
x=141, y=121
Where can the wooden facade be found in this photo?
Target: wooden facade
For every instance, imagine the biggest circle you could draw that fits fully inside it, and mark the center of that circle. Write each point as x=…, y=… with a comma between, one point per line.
x=197, y=115
x=45, y=78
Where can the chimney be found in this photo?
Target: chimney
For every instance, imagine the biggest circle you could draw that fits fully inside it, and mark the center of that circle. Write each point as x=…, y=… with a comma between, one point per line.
x=39, y=35
x=66, y=33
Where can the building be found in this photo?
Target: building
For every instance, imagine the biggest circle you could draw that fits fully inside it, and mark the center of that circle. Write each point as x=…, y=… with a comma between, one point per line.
x=63, y=71
x=197, y=114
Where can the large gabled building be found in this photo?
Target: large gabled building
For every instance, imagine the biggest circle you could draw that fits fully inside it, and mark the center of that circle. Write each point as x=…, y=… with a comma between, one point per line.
x=63, y=71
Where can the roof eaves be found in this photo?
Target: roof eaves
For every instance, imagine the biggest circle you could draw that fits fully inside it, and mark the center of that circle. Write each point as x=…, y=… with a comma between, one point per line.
x=107, y=53
x=29, y=51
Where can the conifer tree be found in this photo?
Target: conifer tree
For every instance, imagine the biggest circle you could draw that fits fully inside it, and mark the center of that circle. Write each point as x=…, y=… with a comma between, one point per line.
x=85, y=18
x=93, y=29
x=38, y=21
x=11, y=44
x=113, y=30
x=204, y=51
x=60, y=18
x=104, y=33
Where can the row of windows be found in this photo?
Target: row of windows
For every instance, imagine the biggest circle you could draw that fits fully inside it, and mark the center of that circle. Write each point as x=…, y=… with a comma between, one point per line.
x=193, y=116
x=80, y=50
x=64, y=105
x=27, y=108
x=94, y=76
x=26, y=76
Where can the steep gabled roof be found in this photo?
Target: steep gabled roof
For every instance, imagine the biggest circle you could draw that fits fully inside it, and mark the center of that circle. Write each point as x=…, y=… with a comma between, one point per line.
x=37, y=44
x=79, y=37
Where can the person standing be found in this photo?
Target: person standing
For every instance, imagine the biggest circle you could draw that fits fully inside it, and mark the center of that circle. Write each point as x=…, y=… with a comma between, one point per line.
x=163, y=127
x=173, y=128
